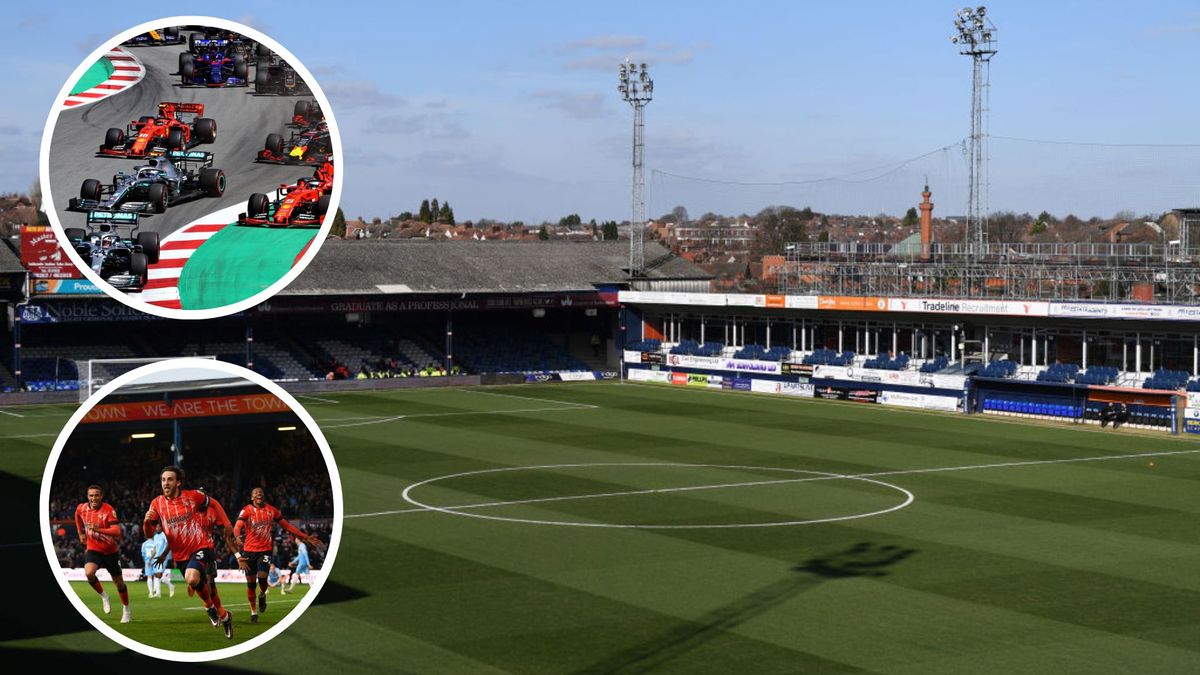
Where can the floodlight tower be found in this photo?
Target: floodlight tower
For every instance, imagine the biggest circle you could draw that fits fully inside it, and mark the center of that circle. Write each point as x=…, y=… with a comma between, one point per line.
x=975, y=39
x=637, y=89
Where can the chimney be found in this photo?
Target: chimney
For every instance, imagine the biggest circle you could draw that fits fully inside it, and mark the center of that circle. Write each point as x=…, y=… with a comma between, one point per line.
x=926, y=223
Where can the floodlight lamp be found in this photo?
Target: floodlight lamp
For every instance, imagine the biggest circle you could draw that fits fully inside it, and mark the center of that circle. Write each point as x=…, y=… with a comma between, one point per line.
x=954, y=39
x=981, y=10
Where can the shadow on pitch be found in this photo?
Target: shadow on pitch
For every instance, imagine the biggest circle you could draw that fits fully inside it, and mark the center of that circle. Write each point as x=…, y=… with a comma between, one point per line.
x=861, y=560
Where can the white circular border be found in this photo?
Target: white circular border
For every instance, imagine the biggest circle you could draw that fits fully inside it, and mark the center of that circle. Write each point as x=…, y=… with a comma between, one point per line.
x=909, y=497
x=167, y=654
x=141, y=305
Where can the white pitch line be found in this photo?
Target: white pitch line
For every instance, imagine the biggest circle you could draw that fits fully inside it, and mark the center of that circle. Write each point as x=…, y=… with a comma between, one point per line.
x=5, y=412
x=531, y=398
x=849, y=476
x=397, y=418
x=317, y=398
x=30, y=435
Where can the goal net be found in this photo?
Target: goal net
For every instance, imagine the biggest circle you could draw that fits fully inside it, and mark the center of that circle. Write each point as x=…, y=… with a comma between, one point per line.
x=95, y=373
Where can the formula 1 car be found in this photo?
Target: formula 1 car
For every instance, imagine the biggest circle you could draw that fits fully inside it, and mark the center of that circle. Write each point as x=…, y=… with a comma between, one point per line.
x=214, y=65
x=251, y=50
x=122, y=261
x=307, y=114
x=178, y=176
x=153, y=136
x=165, y=36
x=303, y=204
x=276, y=76
x=309, y=146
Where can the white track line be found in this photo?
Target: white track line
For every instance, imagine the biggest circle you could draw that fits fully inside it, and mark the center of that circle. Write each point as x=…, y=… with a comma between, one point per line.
x=875, y=474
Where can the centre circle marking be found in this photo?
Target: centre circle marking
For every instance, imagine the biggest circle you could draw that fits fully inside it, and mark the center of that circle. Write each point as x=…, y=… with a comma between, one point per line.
x=461, y=510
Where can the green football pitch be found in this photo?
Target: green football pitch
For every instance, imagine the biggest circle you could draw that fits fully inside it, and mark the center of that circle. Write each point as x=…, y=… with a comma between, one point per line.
x=621, y=528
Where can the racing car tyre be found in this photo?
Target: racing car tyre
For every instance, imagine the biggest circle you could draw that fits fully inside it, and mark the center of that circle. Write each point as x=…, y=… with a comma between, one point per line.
x=263, y=51
x=240, y=70
x=187, y=70
x=90, y=189
x=303, y=109
x=212, y=181
x=138, y=266
x=74, y=233
x=262, y=80
x=275, y=144
x=322, y=205
x=192, y=42
x=113, y=138
x=175, y=139
x=186, y=57
x=171, y=33
x=258, y=205
x=149, y=243
x=156, y=194
x=206, y=130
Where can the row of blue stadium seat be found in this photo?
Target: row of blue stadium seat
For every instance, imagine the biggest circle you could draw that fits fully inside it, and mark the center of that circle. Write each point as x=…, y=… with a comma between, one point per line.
x=1033, y=408
x=884, y=362
x=648, y=345
x=694, y=348
x=761, y=353
x=935, y=365
x=829, y=357
x=1059, y=372
x=999, y=369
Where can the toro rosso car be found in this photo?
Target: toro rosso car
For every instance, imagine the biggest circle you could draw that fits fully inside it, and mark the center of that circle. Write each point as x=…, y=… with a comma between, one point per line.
x=178, y=176
x=303, y=204
x=170, y=130
x=236, y=43
x=164, y=36
x=122, y=260
x=309, y=146
x=215, y=64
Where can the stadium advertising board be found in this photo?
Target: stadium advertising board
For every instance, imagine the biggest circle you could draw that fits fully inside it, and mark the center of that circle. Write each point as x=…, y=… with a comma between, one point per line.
x=720, y=299
x=679, y=378
x=959, y=306
x=715, y=381
x=42, y=256
x=847, y=394
x=644, y=375
x=63, y=287
x=631, y=357
x=1093, y=310
x=925, y=401
x=425, y=304
x=695, y=380
x=243, y=404
x=804, y=369
x=1193, y=399
x=577, y=376
x=718, y=363
x=908, y=378
x=79, y=311
x=765, y=386
x=852, y=303
x=796, y=389
x=736, y=383
x=1191, y=426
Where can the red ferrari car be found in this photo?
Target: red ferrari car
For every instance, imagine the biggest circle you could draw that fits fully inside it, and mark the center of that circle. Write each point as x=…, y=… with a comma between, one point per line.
x=302, y=204
x=178, y=126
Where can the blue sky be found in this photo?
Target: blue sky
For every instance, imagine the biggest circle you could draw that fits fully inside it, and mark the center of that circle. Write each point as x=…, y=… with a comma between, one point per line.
x=510, y=110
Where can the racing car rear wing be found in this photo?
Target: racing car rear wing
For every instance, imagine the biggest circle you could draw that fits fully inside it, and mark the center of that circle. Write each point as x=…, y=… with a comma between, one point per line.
x=109, y=219
x=210, y=42
x=171, y=109
x=183, y=157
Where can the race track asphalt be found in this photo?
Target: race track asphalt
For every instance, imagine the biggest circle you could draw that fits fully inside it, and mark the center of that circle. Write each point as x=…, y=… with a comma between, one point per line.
x=243, y=122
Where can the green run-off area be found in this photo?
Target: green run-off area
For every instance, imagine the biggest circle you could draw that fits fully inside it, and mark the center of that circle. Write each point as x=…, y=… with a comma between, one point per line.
x=96, y=74
x=238, y=262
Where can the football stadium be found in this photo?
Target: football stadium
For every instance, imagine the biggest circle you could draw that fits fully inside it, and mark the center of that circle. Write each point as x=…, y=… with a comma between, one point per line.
x=550, y=468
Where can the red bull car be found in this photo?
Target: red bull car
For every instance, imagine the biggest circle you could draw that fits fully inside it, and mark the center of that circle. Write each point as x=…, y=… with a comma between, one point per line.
x=311, y=146
x=302, y=204
x=178, y=126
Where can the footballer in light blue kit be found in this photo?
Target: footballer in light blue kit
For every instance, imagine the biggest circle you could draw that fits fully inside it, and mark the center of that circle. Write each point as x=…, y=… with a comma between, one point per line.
x=300, y=562
x=158, y=571
x=148, y=552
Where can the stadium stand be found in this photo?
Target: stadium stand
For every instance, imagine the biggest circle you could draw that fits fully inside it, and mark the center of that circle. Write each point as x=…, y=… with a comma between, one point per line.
x=509, y=352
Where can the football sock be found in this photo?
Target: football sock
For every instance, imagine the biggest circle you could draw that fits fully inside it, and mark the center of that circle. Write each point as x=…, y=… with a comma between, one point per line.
x=96, y=585
x=124, y=593
x=252, y=598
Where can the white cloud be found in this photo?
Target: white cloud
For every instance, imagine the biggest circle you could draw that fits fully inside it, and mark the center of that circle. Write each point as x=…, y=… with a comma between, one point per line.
x=576, y=106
